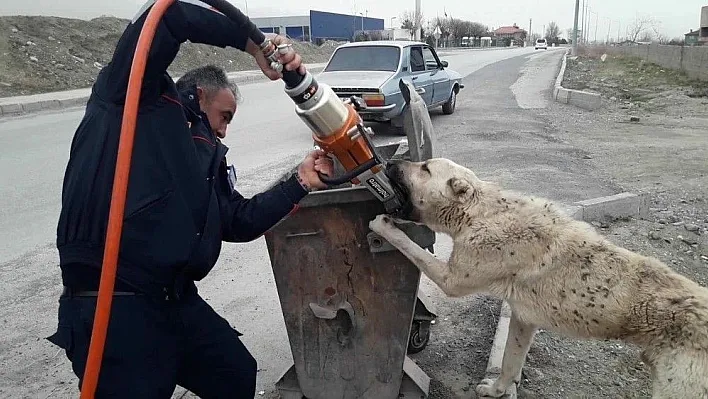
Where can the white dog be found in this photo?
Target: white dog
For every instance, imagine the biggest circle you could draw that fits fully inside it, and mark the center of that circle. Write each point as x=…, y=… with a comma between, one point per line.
x=556, y=273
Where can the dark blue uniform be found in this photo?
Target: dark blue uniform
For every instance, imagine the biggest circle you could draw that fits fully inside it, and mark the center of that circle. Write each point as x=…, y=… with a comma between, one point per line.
x=179, y=209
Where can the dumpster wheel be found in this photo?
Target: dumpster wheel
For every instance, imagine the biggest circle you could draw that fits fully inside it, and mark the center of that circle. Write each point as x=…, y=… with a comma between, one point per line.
x=419, y=337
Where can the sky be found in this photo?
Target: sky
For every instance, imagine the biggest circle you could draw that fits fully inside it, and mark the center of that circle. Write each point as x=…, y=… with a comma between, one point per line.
x=675, y=17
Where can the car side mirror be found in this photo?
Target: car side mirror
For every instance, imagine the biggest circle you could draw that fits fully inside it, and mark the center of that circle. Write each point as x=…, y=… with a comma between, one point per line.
x=444, y=64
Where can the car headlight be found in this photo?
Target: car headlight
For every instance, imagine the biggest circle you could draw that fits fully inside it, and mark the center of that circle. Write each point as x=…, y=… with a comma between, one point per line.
x=373, y=99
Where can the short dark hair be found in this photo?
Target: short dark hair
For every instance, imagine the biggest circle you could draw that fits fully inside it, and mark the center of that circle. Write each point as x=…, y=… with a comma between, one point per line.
x=211, y=78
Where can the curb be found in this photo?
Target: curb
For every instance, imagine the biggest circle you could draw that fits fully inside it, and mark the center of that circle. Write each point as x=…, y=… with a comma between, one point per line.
x=578, y=98
x=622, y=205
x=25, y=108
x=496, y=355
x=618, y=206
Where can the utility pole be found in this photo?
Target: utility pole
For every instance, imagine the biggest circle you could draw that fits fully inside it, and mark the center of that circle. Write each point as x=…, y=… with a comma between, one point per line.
x=575, y=28
x=417, y=20
x=530, y=19
x=582, y=30
x=619, y=24
x=609, y=26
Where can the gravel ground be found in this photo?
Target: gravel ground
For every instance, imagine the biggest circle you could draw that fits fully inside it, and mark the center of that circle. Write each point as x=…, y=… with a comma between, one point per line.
x=661, y=153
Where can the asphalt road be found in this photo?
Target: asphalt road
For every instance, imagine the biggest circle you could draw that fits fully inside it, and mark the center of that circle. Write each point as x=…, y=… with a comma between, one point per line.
x=497, y=129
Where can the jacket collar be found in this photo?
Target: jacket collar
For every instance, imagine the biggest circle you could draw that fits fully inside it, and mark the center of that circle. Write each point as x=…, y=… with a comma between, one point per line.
x=190, y=101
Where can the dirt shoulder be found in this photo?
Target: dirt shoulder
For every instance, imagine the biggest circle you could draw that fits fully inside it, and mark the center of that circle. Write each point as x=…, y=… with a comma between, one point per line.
x=43, y=54
x=660, y=152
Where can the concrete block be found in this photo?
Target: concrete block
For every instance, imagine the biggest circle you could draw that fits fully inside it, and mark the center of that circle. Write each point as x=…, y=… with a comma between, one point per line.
x=32, y=106
x=563, y=95
x=11, y=109
x=585, y=100
x=621, y=205
x=574, y=211
x=73, y=102
x=50, y=104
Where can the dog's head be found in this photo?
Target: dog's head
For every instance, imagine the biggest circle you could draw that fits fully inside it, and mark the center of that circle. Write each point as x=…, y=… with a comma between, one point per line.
x=433, y=186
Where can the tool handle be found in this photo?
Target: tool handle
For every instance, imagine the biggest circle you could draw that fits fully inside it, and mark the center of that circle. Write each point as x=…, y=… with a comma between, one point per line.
x=335, y=181
x=291, y=78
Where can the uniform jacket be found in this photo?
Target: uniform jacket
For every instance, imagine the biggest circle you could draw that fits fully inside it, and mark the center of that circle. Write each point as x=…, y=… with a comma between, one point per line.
x=180, y=206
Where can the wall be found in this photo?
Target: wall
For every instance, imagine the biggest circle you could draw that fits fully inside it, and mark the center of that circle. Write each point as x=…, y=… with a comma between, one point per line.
x=327, y=25
x=691, y=60
x=297, y=27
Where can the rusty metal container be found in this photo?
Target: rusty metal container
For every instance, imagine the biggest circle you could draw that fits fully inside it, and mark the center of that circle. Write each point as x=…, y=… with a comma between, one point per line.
x=349, y=301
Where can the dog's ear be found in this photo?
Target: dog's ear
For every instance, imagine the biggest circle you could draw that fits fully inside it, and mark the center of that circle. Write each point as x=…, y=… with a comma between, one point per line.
x=405, y=91
x=462, y=189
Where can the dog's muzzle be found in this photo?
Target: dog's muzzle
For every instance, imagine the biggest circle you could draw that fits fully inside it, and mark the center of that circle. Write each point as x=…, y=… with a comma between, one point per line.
x=394, y=172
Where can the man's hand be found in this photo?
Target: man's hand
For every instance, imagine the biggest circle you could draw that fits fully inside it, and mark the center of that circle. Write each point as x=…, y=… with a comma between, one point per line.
x=316, y=161
x=290, y=61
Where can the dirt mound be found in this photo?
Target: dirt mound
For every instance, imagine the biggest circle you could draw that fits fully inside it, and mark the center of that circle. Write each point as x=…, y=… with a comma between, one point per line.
x=42, y=54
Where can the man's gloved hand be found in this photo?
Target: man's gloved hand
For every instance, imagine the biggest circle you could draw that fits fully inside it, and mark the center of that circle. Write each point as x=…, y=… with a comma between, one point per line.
x=316, y=161
x=290, y=61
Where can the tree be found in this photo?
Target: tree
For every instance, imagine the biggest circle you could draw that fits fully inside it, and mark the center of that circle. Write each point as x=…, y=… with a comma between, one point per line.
x=476, y=29
x=411, y=21
x=552, y=32
x=641, y=27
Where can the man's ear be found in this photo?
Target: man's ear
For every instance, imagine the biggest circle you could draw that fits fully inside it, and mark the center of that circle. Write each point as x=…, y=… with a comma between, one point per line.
x=462, y=189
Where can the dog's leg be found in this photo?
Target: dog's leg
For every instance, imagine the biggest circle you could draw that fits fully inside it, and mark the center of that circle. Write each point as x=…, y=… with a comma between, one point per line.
x=517, y=346
x=676, y=374
x=437, y=270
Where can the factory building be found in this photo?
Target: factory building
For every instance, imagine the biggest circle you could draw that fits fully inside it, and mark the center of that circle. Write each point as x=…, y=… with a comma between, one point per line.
x=319, y=26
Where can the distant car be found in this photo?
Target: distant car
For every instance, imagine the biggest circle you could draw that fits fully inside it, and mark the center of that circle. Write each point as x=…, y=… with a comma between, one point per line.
x=371, y=70
x=541, y=43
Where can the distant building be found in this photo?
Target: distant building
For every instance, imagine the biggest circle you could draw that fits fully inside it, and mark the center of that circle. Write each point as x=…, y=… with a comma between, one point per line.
x=513, y=32
x=319, y=26
x=691, y=38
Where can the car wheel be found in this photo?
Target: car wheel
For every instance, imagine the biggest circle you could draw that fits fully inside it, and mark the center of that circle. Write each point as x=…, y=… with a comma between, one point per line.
x=449, y=107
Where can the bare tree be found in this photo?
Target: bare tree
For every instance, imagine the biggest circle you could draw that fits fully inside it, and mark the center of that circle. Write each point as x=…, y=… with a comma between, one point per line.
x=641, y=27
x=411, y=21
x=458, y=28
x=552, y=31
x=476, y=29
x=444, y=25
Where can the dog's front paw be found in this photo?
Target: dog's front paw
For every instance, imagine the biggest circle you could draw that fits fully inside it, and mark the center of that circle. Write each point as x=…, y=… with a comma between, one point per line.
x=488, y=388
x=382, y=225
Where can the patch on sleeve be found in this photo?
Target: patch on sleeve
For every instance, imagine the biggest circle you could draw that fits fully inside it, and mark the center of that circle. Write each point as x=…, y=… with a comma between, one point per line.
x=231, y=172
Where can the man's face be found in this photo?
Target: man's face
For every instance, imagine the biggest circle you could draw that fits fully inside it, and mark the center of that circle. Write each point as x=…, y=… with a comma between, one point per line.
x=220, y=109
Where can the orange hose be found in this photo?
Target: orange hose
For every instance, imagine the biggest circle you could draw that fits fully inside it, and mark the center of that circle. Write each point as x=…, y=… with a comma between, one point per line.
x=120, y=187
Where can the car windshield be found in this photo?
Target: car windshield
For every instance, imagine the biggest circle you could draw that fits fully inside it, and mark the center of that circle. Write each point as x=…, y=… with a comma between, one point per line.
x=365, y=58
x=541, y=40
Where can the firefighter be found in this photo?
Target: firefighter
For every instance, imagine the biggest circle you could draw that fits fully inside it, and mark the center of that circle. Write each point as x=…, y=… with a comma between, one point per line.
x=181, y=205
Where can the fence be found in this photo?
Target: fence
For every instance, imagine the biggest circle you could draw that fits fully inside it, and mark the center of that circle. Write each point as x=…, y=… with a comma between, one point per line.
x=691, y=60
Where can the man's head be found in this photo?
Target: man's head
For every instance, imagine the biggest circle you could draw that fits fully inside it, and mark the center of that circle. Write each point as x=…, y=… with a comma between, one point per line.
x=218, y=97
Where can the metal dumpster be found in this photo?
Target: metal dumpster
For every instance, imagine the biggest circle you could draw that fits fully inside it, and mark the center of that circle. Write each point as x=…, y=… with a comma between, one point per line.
x=348, y=299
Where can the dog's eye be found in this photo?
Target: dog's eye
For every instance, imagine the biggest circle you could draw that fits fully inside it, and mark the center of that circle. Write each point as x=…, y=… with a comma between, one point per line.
x=425, y=167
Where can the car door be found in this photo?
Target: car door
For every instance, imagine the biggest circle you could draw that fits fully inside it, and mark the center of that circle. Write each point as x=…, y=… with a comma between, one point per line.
x=438, y=75
x=420, y=75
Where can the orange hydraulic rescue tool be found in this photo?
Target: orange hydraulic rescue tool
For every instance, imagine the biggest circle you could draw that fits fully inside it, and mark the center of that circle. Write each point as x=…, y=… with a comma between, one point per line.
x=338, y=129
x=336, y=126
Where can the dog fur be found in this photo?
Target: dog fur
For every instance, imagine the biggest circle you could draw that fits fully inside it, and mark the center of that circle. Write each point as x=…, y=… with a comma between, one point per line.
x=555, y=273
